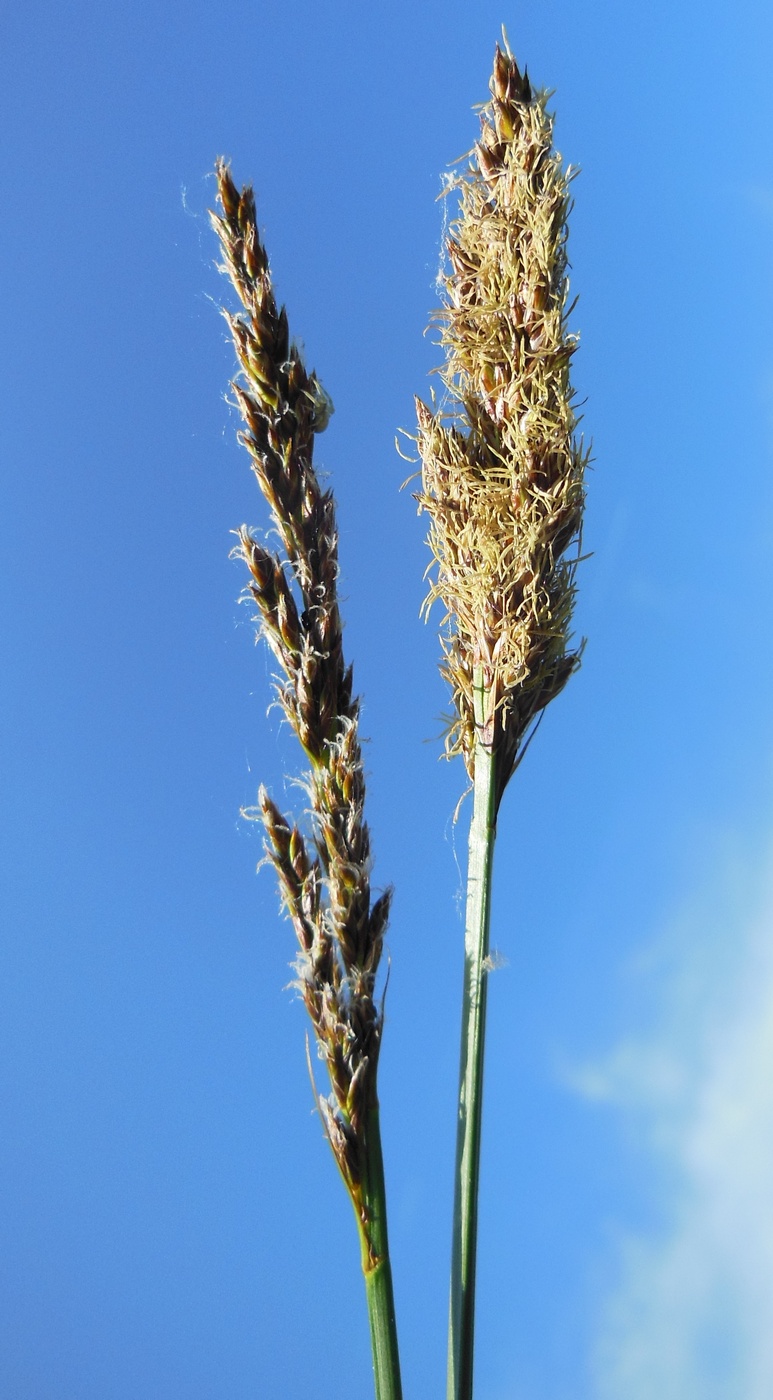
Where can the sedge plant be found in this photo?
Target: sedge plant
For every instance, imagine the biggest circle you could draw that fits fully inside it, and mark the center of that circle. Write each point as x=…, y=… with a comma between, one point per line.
x=502, y=483
x=324, y=876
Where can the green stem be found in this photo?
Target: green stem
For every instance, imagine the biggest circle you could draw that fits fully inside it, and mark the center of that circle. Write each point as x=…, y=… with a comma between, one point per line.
x=378, y=1270
x=476, y=947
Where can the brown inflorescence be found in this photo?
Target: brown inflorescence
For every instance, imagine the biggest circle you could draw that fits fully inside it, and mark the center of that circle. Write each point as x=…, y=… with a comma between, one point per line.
x=502, y=469
x=325, y=879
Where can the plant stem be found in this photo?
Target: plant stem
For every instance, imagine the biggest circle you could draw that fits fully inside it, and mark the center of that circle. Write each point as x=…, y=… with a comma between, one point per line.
x=378, y=1270
x=476, y=947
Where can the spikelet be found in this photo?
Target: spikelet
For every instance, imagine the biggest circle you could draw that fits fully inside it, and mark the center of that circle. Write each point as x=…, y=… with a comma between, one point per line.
x=325, y=882
x=502, y=470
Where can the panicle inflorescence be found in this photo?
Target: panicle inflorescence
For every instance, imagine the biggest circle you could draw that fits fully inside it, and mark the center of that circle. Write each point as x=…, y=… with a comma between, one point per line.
x=502, y=470
x=325, y=880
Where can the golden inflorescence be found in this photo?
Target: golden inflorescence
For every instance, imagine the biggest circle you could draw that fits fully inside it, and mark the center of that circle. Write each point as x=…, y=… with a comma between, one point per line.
x=502, y=468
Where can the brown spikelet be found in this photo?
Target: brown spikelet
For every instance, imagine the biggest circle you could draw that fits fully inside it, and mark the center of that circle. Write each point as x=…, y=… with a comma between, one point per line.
x=325, y=880
x=502, y=469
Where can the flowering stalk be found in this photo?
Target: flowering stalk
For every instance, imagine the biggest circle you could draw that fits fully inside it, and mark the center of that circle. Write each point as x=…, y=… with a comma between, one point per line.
x=325, y=880
x=502, y=483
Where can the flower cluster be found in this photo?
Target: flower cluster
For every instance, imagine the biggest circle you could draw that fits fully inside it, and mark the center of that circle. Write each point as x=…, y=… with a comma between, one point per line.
x=502, y=469
x=325, y=879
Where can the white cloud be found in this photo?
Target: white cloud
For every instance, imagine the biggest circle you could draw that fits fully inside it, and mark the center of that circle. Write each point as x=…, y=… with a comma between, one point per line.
x=692, y=1315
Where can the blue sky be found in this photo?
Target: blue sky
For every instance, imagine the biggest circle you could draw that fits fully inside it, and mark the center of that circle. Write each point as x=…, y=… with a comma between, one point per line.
x=171, y=1224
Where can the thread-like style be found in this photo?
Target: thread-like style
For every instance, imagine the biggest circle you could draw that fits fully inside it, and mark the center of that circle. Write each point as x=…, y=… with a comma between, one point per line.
x=502, y=468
